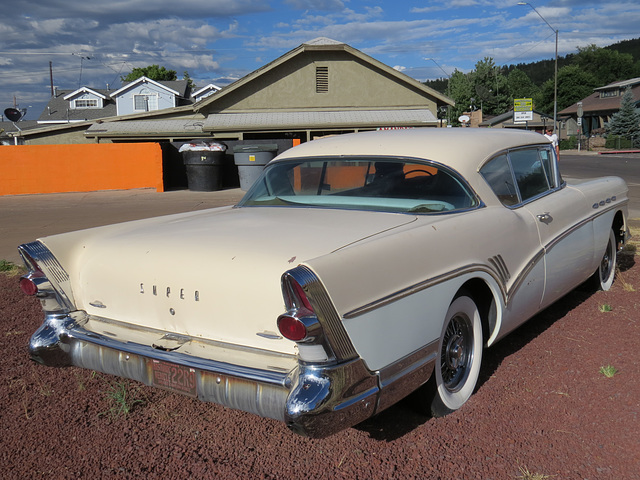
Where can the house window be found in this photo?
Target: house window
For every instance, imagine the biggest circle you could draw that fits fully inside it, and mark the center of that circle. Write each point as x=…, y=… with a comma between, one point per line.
x=608, y=93
x=87, y=103
x=145, y=103
x=322, y=79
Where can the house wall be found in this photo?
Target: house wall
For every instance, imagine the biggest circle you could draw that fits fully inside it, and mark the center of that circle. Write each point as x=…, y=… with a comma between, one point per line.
x=28, y=169
x=65, y=137
x=125, y=102
x=86, y=96
x=352, y=84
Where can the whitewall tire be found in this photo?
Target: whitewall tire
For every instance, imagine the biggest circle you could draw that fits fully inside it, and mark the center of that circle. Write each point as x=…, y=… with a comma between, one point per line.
x=460, y=355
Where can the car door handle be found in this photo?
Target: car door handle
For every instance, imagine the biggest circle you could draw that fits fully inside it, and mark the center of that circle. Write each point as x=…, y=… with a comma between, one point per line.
x=545, y=218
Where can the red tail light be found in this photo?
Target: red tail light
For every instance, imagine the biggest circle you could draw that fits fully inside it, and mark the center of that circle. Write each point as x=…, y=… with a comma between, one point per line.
x=28, y=286
x=298, y=306
x=291, y=327
x=295, y=298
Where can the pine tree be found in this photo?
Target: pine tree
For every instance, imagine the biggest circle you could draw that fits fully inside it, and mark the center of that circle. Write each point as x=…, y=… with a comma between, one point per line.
x=626, y=121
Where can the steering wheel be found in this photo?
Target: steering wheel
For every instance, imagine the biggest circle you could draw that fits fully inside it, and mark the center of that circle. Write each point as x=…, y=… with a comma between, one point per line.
x=418, y=170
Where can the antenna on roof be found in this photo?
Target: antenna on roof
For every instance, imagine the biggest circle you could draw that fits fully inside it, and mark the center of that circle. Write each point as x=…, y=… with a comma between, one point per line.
x=82, y=59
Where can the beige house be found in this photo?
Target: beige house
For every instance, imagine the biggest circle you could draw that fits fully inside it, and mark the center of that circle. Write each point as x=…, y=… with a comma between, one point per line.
x=320, y=88
x=599, y=107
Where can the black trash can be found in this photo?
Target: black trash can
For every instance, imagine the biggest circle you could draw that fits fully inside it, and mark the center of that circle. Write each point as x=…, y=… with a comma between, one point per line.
x=251, y=160
x=204, y=166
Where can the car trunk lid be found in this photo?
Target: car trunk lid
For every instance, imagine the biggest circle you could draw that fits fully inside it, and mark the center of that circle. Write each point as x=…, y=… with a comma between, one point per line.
x=212, y=274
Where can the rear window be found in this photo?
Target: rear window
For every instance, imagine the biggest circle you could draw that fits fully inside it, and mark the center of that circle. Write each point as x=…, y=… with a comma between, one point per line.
x=381, y=184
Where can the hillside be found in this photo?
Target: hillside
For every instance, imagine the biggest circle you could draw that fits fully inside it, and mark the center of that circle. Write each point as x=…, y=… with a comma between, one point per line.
x=541, y=71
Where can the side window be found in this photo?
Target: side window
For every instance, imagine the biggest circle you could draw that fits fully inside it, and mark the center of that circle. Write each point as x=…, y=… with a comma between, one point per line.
x=529, y=173
x=547, y=159
x=497, y=173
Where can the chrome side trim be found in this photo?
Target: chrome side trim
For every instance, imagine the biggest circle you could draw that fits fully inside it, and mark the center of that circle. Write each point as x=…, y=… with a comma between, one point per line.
x=498, y=263
x=418, y=287
x=582, y=223
x=496, y=268
x=326, y=313
x=406, y=375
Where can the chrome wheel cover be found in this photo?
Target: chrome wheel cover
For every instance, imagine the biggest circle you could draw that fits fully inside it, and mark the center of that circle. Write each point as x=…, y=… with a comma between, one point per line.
x=457, y=353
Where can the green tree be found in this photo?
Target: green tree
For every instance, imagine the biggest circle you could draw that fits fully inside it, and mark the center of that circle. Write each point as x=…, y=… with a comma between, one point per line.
x=490, y=88
x=461, y=91
x=187, y=77
x=607, y=66
x=574, y=84
x=626, y=121
x=520, y=85
x=154, y=72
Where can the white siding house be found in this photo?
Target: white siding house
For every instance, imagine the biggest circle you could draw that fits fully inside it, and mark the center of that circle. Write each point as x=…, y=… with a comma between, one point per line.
x=144, y=95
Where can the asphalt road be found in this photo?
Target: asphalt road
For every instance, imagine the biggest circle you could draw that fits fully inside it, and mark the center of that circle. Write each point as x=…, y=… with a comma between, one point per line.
x=23, y=218
x=592, y=165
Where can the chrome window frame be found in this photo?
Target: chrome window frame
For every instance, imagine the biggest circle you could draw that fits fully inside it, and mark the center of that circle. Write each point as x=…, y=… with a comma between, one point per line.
x=559, y=183
x=464, y=183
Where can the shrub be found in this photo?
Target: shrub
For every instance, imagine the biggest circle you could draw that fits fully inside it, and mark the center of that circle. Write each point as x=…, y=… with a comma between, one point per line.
x=618, y=141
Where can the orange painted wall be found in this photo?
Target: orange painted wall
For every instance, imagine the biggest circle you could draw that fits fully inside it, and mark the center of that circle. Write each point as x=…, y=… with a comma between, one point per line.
x=79, y=168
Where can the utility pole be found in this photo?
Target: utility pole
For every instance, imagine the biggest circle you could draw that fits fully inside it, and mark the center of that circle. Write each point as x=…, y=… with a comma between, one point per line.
x=51, y=77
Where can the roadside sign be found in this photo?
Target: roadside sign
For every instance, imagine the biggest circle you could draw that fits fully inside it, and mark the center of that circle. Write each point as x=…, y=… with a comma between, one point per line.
x=521, y=117
x=522, y=110
x=523, y=105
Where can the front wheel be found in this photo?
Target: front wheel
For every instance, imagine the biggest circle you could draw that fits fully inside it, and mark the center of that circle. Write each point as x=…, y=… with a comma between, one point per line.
x=458, y=363
x=603, y=277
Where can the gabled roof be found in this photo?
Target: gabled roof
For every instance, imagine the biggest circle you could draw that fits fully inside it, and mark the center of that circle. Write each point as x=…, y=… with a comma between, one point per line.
x=594, y=103
x=84, y=90
x=507, y=118
x=58, y=111
x=12, y=127
x=318, y=120
x=144, y=79
x=326, y=44
x=622, y=84
x=209, y=87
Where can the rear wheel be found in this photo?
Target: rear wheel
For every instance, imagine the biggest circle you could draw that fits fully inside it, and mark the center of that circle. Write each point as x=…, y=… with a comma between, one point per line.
x=603, y=277
x=458, y=363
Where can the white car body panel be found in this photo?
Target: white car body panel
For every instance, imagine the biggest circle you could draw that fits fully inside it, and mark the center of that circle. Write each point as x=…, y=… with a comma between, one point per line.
x=370, y=283
x=253, y=246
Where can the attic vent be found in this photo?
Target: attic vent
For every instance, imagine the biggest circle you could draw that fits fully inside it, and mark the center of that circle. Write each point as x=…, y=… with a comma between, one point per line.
x=322, y=79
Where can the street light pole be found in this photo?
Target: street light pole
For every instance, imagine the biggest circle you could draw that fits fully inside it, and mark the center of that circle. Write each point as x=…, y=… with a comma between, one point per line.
x=448, y=85
x=555, y=75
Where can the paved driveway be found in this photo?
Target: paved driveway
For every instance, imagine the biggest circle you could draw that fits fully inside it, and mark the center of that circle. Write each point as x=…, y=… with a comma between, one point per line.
x=23, y=218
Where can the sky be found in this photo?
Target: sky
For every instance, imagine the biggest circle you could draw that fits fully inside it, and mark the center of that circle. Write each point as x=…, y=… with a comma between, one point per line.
x=94, y=43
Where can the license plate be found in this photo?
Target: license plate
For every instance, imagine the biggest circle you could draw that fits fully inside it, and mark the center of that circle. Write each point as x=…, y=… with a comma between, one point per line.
x=177, y=378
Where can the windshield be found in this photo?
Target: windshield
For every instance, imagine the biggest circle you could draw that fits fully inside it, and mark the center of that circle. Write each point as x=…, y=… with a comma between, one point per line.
x=380, y=184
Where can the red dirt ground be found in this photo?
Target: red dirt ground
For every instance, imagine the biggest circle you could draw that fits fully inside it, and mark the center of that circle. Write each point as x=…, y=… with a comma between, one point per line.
x=542, y=407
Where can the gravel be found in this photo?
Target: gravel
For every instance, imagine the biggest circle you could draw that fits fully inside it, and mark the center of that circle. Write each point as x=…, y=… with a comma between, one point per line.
x=542, y=407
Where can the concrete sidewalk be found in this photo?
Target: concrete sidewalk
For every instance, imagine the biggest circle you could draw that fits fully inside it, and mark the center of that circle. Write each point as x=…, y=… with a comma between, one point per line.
x=24, y=218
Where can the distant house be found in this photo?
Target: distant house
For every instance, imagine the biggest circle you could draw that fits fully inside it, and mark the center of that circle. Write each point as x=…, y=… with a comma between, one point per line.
x=322, y=87
x=85, y=98
x=141, y=95
x=205, y=92
x=70, y=106
x=146, y=95
x=598, y=107
x=538, y=123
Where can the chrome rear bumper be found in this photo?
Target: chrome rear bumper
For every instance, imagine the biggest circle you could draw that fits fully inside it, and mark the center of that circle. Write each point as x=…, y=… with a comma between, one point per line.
x=314, y=401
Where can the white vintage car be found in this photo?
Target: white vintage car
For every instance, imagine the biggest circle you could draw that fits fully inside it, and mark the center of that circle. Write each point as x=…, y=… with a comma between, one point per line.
x=356, y=270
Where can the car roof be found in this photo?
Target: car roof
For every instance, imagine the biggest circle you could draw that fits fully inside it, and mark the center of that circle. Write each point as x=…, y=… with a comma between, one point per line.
x=463, y=149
